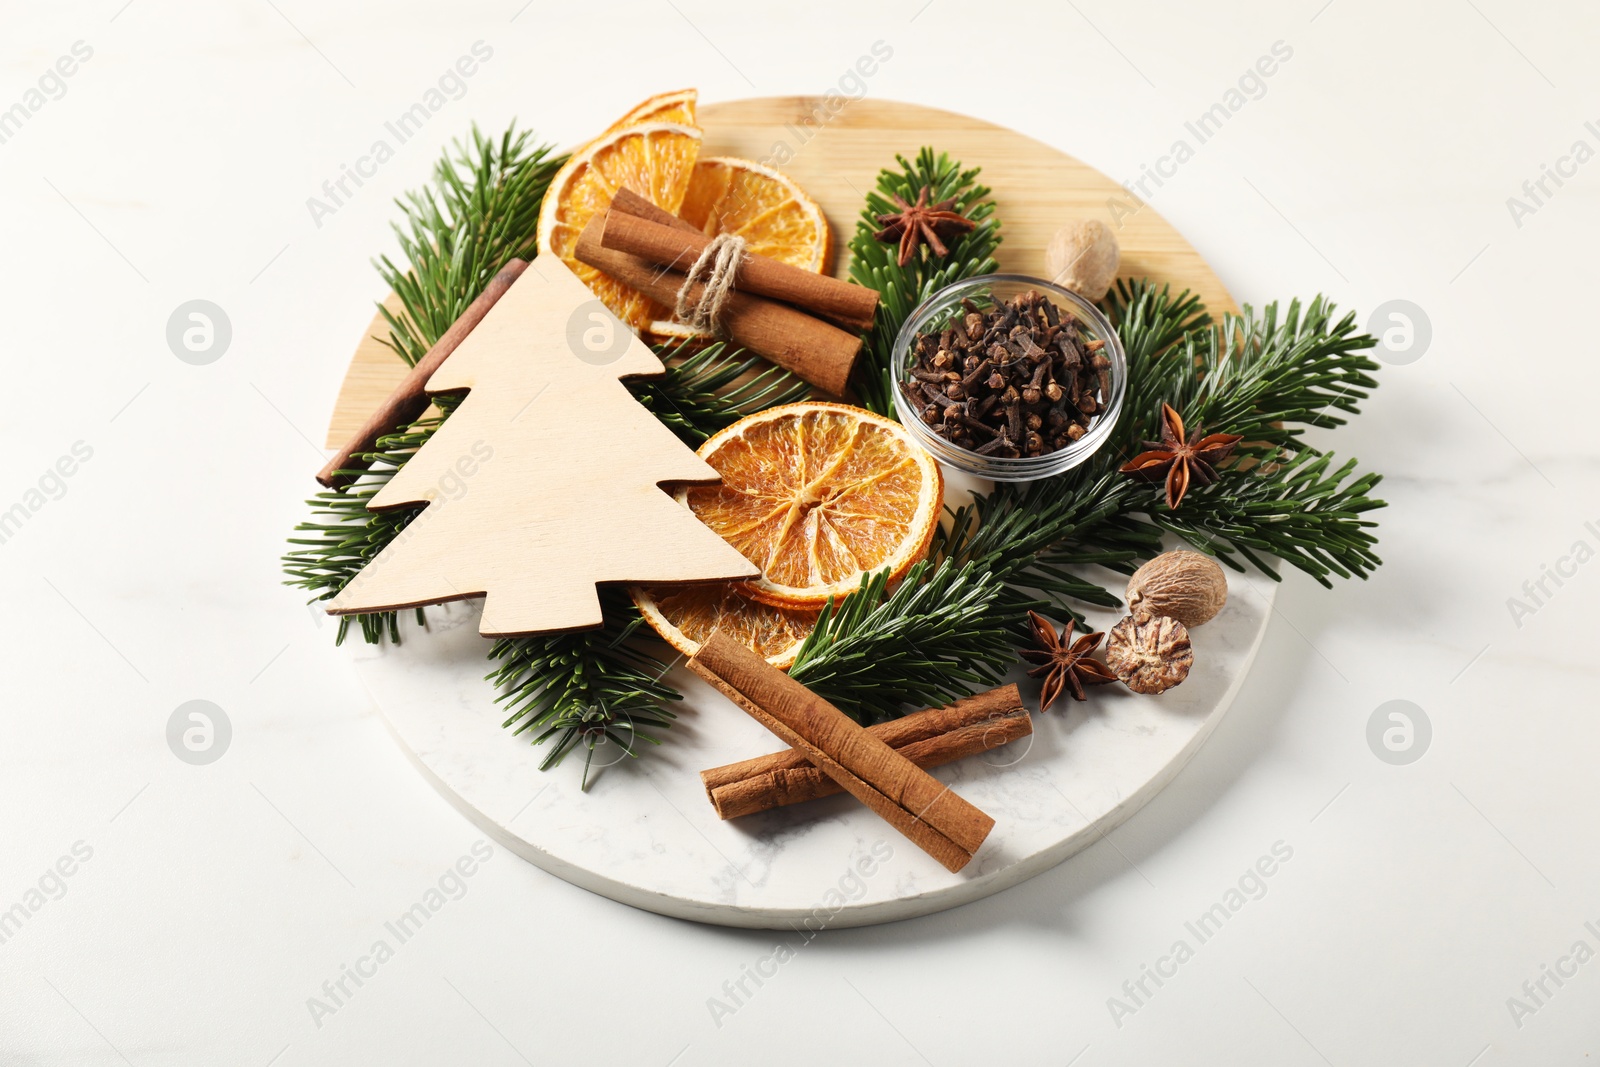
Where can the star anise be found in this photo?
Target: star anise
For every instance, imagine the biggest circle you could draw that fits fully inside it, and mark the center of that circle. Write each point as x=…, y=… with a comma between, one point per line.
x=1181, y=459
x=922, y=221
x=1065, y=663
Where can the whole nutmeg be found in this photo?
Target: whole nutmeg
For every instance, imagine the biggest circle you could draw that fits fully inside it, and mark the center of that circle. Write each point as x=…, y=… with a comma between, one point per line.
x=1149, y=653
x=1083, y=257
x=1186, y=586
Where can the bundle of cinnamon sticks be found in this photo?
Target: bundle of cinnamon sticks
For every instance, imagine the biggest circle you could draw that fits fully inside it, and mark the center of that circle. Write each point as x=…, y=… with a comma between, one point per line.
x=859, y=761
x=928, y=738
x=807, y=323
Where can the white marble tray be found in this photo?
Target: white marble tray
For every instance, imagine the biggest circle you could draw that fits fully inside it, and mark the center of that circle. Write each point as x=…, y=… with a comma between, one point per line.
x=645, y=834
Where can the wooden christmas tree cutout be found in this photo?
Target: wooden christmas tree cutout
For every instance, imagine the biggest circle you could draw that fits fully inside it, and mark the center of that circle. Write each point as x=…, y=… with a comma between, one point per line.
x=547, y=478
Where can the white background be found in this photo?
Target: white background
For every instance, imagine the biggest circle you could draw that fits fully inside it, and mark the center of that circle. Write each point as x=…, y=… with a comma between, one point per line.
x=218, y=899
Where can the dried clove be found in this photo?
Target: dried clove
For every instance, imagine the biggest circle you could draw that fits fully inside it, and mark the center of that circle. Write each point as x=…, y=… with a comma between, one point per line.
x=1029, y=384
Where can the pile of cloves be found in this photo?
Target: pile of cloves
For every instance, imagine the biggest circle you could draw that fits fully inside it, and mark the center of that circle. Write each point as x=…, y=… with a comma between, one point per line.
x=1017, y=379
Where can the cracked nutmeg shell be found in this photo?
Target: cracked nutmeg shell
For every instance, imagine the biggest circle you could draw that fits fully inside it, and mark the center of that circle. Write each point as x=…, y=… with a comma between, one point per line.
x=1149, y=653
x=1187, y=586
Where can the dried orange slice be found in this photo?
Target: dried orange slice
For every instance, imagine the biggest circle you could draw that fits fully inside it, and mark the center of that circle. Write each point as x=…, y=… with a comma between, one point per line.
x=817, y=495
x=769, y=211
x=675, y=106
x=686, y=615
x=772, y=214
x=655, y=160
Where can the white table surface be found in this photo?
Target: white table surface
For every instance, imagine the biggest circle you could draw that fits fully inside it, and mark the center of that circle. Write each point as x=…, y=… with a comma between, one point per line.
x=217, y=899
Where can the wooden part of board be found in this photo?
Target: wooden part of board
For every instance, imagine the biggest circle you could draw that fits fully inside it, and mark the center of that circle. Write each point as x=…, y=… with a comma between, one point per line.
x=547, y=478
x=1037, y=188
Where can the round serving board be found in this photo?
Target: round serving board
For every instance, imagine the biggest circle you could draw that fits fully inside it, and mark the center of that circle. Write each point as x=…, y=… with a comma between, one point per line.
x=644, y=833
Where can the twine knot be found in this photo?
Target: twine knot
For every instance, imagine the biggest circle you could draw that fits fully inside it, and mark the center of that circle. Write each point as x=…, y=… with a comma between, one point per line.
x=714, y=270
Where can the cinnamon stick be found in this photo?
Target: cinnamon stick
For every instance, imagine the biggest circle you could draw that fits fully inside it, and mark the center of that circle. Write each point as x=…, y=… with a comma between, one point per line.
x=928, y=738
x=910, y=799
x=410, y=397
x=631, y=203
x=814, y=350
x=628, y=202
x=849, y=306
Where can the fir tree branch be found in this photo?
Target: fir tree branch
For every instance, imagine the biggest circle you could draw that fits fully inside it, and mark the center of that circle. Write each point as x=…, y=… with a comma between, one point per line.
x=345, y=535
x=1304, y=511
x=1270, y=379
x=482, y=211
x=708, y=388
x=1271, y=376
x=956, y=618
x=1154, y=326
x=584, y=687
x=902, y=289
x=932, y=641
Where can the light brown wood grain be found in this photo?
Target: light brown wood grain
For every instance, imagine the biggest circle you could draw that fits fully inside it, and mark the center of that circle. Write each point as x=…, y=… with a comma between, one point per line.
x=547, y=478
x=1037, y=188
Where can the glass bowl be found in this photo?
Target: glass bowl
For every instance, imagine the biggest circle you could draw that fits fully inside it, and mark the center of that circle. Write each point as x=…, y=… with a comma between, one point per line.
x=987, y=290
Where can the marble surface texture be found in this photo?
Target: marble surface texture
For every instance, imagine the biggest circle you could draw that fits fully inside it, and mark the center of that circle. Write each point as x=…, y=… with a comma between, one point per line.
x=644, y=833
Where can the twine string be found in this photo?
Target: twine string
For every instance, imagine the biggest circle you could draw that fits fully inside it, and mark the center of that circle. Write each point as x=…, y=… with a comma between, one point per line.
x=715, y=270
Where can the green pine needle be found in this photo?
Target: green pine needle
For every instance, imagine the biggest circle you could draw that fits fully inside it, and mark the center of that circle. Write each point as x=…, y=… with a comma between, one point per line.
x=935, y=639
x=1268, y=377
x=343, y=535
x=584, y=687
x=1304, y=511
x=902, y=289
x=1265, y=377
x=481, y=212
x=707, y=389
